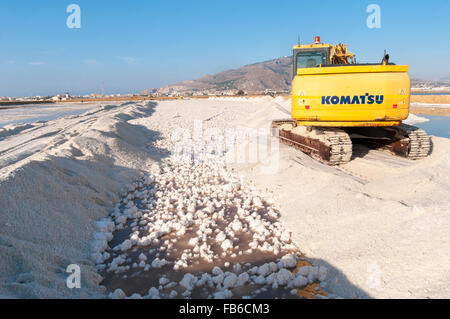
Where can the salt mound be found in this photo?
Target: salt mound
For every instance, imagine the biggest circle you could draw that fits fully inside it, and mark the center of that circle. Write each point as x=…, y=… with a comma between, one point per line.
x=56, y=182
x=414, y=119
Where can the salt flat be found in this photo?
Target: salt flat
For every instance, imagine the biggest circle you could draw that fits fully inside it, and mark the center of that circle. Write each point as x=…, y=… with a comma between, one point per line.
x=379, y=224
x=41, y=112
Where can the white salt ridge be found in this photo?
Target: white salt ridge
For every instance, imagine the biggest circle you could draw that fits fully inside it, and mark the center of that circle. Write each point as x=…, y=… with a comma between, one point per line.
x=163, y=281
x=283, y=276
x=153, y=293
x=159, y=263
x=288, y=261
x=103, y=234
x=298, y=282
x=142, y=257
x=227, y=244
x=117, y=294
x=188, y=281
x=414, y=119
x=223, y=294
x=126, y=245
x=230, y=281
x=242, y=279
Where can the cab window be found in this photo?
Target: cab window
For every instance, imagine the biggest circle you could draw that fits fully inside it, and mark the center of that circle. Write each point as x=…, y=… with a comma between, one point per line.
x=311, y=59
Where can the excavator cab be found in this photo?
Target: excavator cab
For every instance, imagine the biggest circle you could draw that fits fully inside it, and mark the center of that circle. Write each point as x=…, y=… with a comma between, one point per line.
x=320, y=55
x=310, y=58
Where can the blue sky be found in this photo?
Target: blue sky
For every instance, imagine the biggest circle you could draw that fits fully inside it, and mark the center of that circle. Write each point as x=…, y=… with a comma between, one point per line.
x=133, y=45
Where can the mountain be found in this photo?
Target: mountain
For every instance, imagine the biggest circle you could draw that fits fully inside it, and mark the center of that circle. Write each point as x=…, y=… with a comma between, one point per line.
x=273, y=75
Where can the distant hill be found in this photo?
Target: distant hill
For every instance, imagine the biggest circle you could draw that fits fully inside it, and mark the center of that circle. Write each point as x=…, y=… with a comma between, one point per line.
x=274, y=75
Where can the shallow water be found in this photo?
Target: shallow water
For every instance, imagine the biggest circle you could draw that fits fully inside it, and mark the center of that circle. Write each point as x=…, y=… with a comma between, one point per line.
x=437, y=125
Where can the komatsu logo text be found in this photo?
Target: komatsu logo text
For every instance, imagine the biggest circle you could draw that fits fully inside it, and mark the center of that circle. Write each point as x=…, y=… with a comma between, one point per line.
x=356, y=99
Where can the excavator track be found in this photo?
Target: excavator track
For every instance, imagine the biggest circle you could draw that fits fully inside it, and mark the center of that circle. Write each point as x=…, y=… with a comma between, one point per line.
x=332, y=146
x=410, y=142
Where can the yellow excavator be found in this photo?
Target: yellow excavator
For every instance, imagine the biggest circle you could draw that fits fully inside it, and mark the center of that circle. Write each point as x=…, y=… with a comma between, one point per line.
x=336, y=101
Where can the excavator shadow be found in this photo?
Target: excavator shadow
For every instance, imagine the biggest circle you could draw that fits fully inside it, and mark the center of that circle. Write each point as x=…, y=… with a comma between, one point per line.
x=360, y=150
x=337, y=282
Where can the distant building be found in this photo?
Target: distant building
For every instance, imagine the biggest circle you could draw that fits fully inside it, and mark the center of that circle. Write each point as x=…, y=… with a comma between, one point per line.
x=56, y=98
